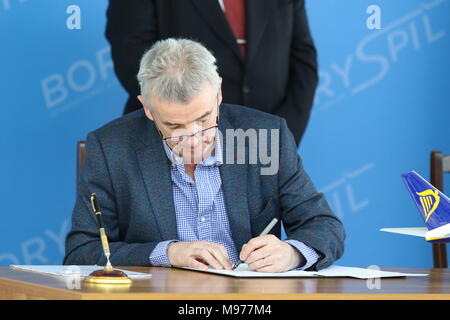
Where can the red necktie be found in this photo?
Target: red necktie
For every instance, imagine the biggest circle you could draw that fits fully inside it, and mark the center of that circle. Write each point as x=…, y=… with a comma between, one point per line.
x=235, y=13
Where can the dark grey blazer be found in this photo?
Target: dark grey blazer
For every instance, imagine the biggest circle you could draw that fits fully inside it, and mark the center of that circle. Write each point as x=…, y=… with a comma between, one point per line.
x=129, y=171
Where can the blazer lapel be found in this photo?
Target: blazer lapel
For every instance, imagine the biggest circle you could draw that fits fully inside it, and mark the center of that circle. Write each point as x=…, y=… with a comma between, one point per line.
x=155, y=169
x=234, y=186
x=258, y=14
x=212, y=13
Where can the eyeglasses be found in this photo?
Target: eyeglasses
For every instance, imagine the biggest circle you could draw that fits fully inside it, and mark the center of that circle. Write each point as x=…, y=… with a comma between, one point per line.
x=199, y=134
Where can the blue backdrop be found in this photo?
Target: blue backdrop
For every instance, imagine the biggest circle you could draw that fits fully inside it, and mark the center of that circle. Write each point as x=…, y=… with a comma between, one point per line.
x=382, y=105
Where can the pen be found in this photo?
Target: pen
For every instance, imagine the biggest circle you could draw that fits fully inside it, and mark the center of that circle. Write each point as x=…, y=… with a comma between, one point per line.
x=103, y=237
x=264, y=232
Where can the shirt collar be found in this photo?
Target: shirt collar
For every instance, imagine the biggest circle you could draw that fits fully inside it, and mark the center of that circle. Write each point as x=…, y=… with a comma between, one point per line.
x=216, y=157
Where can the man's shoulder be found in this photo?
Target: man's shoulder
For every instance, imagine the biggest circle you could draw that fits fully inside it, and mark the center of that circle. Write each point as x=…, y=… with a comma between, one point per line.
x=124, y=126
x=245, y=117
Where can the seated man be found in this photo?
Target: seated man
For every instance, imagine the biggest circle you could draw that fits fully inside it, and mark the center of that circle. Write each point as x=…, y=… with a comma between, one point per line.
x=176, y=190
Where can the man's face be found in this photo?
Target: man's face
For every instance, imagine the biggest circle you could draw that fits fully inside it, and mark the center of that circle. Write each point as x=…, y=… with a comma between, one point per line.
x=175, y=119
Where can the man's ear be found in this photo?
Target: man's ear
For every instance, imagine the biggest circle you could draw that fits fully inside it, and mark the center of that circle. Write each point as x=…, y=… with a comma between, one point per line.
x=146, y=109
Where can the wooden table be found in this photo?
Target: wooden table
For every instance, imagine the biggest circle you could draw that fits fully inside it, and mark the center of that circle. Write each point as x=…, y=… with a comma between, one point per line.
x=176, y=284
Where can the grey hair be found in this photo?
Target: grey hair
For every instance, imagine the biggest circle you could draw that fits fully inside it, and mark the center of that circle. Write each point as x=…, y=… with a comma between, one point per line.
x=176, y=70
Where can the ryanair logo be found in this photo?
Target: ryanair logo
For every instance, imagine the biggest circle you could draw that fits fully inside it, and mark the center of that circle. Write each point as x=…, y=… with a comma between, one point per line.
x=430, y=201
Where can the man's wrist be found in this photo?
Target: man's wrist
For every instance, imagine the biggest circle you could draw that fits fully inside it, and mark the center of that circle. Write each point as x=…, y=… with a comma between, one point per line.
x=297, y=258
x=309, y=255
x=159, y=256
x=169, y=251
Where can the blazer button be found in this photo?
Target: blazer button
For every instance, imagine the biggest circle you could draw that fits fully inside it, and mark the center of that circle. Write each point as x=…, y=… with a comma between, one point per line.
x=245, y=89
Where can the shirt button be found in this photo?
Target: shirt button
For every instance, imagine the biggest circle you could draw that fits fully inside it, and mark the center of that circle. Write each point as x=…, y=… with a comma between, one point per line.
x=202, y=219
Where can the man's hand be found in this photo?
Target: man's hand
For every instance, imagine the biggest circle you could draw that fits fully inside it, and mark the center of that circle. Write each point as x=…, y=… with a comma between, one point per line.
x=199, y=255
x=270, y=254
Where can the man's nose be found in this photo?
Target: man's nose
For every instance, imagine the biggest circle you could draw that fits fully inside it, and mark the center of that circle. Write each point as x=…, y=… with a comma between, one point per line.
x=193, y=142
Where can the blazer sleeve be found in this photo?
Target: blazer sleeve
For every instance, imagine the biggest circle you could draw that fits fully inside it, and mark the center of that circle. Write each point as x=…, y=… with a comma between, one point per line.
x=305, y=212
x=303, y=77
x=83, y=244
x=131, y=28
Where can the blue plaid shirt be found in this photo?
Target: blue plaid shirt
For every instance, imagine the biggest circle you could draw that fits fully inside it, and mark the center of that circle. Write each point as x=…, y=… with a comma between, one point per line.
x=200, y=209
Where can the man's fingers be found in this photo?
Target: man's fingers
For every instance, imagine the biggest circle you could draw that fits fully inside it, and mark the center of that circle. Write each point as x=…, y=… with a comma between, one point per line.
x=197, y=264
x=221, y=254
x=249, y=247
x=262, y=263
x=259, y=254
x=272, y=268
x=206, y=255
x=200, y=254
x=254, y=244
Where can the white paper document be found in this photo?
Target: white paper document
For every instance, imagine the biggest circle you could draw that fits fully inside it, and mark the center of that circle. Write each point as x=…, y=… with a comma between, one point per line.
x=70, y=271
x=243, y=271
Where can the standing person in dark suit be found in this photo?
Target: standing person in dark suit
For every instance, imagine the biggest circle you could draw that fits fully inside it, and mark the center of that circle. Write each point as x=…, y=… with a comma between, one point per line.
x=264, y=49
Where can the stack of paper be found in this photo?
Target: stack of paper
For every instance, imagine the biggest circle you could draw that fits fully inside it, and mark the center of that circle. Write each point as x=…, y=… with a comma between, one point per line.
x=243, y=271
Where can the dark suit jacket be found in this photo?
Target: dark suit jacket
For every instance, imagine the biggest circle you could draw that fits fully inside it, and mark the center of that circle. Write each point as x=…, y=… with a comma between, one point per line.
x=128, y=169
x=278, y=76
